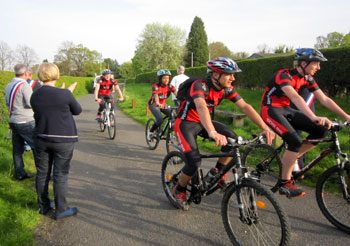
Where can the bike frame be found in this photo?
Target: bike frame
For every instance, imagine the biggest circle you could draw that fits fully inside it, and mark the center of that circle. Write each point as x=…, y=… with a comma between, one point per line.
x=235, y=164
x=107, y=110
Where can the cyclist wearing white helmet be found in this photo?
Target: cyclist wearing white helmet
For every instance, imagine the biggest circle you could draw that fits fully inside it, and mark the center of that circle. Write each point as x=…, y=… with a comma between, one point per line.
x=194, y=119
x=104, y=89
x=160, y=92
x=283, y=89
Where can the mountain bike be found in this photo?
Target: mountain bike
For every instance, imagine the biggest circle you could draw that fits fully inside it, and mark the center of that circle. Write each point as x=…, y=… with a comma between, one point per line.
x=108, y=119
x=333, y=185
x=164, y=132
x=250, y=212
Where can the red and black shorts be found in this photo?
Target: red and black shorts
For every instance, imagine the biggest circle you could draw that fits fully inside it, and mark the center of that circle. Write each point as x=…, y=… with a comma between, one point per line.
x=285, y=121
x=187, y=132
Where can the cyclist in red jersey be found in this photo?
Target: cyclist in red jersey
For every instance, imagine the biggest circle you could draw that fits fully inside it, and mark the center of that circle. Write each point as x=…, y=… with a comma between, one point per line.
x=283, y=89
x=160, y=92
x=104, y=89
x=194, y=119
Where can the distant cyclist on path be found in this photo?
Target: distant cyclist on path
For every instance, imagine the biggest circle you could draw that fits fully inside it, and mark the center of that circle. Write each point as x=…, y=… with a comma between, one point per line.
x=160, y=92
x=104, y=89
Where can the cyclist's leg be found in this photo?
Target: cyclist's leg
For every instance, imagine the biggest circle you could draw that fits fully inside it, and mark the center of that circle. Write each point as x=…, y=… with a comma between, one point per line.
x=101, y=106
x=222, y=161
x=110, y=98
x=304, y=123
x=157, y=114
x=279, y=120
x=187, y=132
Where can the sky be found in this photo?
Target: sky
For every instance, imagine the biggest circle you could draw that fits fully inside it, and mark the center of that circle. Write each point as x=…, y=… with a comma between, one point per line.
x=113, y=27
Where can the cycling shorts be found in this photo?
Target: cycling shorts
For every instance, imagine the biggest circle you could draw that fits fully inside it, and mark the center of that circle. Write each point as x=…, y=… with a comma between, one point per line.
x=187, y=132
x=285, y=121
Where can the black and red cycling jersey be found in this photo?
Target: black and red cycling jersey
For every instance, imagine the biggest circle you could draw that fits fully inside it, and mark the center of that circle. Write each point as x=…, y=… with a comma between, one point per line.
x=106, y=86
x=275, y=97
x=163, y=92
x=204, y=88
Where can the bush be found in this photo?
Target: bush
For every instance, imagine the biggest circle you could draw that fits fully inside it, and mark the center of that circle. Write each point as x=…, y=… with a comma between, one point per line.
x=333, y=78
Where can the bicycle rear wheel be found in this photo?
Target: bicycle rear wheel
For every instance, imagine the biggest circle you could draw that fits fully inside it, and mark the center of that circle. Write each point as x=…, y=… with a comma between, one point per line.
x=102, y=121
x=171, y=143
x=152, y=138
x=266, y=161
x=112, y=126
x=258, y=219
x=171, y=169
x=333, y=196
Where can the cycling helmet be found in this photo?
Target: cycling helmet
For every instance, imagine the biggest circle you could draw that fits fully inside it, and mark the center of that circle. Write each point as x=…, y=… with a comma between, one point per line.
x=222, y=65
x=309, y=55
x=106, y=71
x=163, y=72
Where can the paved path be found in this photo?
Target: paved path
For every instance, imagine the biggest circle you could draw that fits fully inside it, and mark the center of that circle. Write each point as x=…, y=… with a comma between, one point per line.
x=117, y=187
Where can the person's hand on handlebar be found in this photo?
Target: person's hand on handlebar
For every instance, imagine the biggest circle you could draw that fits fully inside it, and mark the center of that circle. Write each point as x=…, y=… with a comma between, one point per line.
x=220, y=140
x=99, y=100
x=161, y=106
x=323, y=121
x=270, y=135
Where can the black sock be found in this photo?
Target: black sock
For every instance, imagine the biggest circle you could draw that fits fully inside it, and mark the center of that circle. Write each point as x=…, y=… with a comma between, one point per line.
x=179, y=188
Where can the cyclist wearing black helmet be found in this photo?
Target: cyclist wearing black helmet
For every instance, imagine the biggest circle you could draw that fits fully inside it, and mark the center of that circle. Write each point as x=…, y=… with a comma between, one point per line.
x=283, y=89
x=194, y=119
x=104, y=89
x=160, y=92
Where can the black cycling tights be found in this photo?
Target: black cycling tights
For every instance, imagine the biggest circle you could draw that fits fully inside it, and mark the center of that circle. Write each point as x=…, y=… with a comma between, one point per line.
x=286, y=122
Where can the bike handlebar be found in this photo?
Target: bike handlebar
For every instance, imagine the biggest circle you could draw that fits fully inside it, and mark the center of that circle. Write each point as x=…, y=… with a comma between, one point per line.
x=240, y=141
x=338, y=125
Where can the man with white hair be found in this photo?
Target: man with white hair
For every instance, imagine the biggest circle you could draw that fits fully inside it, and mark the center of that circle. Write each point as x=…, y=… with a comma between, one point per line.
x=17, y=96
x=177, y=81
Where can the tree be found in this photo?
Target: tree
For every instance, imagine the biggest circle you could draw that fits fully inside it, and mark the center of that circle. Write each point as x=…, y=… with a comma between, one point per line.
x=159, y=46
x=63, y=58
x=6, y=56
x=240, y=55
x=263, y=48
x=126, y=70
x=283, y=49
x=77, y=60
x=26, y=55
x=333, y=39
x=218, y=49
x=197, y=44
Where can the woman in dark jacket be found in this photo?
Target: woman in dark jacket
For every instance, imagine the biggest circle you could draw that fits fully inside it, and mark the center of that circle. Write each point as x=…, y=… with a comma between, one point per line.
x=55, y=133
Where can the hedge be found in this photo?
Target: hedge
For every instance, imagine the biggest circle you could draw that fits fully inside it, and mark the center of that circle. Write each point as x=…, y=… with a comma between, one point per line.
x=333, y=78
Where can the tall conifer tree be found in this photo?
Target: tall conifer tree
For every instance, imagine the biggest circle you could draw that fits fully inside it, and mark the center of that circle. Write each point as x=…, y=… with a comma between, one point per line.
x=197, y=44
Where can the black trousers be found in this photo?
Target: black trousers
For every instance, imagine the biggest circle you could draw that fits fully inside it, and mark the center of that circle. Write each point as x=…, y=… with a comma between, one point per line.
x=56, y=156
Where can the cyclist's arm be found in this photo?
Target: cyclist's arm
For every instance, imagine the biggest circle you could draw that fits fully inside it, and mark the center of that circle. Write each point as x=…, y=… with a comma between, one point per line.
x=204, y=116
x=97, y=88
x=302, y=106
x=298, y=102
x=121, y=98
x=330, y=104
x=250, y=112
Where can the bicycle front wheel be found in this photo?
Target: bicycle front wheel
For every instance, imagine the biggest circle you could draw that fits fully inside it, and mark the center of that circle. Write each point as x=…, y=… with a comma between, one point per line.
x=111, y=126
x=266, y=162
x=253, y=216
x=152, y=138
x=333, y=196
x=171, y=169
